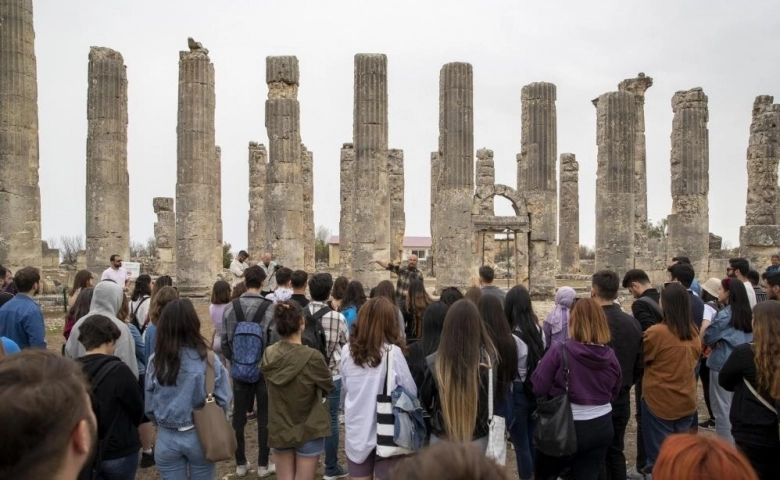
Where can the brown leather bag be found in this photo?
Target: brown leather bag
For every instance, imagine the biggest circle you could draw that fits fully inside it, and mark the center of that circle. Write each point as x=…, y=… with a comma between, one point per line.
x=216, y=434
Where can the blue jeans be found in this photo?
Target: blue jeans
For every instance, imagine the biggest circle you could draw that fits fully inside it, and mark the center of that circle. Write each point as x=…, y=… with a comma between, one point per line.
x=655, y=430
x=332, y=442
x=119, y=468
x=521, y=432
x=175, y=451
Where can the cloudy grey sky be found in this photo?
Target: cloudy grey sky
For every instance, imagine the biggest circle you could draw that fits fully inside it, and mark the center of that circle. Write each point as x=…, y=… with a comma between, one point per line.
x=585, y=47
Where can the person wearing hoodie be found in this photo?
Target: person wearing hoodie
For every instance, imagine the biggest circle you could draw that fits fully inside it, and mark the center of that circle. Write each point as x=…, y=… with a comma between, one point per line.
x=595, y=380
x=116, y=399
x=107, y=301
x=671, y=352
x=298, y=381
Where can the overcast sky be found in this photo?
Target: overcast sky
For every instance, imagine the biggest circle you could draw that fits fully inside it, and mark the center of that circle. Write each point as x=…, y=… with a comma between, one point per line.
x=728, y=48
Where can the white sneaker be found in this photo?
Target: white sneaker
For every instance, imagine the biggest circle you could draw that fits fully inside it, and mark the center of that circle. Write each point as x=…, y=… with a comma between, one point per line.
x=266, y=471
x=241, y=470
x=634, y=474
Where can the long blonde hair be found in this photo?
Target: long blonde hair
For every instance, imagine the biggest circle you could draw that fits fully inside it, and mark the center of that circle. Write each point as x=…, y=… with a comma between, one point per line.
x=766, y=346
x=465, y=347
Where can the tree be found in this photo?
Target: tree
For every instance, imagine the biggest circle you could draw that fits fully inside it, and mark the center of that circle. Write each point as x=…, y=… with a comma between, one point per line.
x=321, y=237
x=137, y=250
x=657, y=230
x=587, y=252
x=227, y=255
x=151, y=246
x=69, y=246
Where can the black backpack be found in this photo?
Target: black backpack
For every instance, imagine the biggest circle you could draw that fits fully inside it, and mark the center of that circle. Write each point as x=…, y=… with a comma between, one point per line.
x=134, y=317
x=314, y=334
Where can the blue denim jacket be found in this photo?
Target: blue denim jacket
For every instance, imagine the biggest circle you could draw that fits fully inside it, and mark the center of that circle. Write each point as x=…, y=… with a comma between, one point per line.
x=140, y=348
x=409, y=423
x=171, y=406
x=723, y=338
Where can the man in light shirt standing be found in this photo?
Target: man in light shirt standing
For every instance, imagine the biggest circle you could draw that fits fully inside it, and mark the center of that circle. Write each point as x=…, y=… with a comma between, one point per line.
x=738, y=268
x=116, y=272
x=238, y=265
x=269, y=268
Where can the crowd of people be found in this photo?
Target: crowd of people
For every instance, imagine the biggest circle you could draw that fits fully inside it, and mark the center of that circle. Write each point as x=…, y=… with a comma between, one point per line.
x=420, y=384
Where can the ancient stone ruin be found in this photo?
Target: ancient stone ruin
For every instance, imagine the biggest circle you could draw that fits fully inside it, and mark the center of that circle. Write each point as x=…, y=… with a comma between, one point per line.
x=108, y=184
x=539, y=241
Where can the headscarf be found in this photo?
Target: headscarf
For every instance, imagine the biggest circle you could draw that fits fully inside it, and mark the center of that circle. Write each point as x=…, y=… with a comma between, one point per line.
x=558, y=318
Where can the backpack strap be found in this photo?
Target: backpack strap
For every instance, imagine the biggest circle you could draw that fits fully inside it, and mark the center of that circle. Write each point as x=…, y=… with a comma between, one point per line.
x=320, y=313
x=134, y=311
x=758, y=396
x=260, y=313
x=239, y=310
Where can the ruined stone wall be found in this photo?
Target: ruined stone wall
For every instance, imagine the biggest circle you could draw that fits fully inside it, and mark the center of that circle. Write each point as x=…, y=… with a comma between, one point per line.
x=346, y=219
x=165, y=235
x=760, y=237
x=638, y=86
x=486, y=177
x=284, y=220
x=395, y=170
x=616, y=135
x=538, y=158
x=20, y=195
x=454, y=247
x=108, y=183
x=569, y=229
x=307, y=176
x=196, y=266
x=258, y=160
x=688, y=224
x=370, y=235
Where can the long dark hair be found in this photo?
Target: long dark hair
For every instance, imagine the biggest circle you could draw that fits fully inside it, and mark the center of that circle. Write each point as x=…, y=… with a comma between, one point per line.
x=432, y=323
x=376, y=324
x=143, y=286
x=385, y=289
x=81, y=280
x=81, y=305
x=354, y=296
x=524, y=323
x=676, y=306
x=498, y=329
x=178, y=327
x=416, y=304
x=741, y=313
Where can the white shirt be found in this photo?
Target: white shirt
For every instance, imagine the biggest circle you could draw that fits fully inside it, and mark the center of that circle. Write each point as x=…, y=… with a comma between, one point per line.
x=237, y=269
x=709, y=313
x=751, y=294
x=120, y=276
x=142, y=310
x=361, y=386
x=269, y=284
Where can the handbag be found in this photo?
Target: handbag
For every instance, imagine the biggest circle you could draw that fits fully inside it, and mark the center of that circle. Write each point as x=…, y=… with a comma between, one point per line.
x=496, y=447
x=215, y=433
x=386, y=446
x=554, y=434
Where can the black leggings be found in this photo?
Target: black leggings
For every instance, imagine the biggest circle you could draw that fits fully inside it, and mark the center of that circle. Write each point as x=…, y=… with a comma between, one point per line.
x=593, y=438
x=704, y=374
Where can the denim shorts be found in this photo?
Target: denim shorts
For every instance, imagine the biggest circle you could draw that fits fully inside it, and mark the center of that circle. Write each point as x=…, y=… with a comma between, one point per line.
x=312, y=448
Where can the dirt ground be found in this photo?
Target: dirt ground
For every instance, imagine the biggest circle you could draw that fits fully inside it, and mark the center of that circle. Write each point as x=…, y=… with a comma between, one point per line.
x=226, y=470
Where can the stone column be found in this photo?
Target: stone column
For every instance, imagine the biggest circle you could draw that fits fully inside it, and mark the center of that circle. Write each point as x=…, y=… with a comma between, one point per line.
x=108, y=184
x=217, y=179
x=688, y=225
x=569, y=233
x=638, y=86
x=347, y=196
x=371, y=235
x=395, y=171
x=20, y=195
x=433, y=256
x=539, y=155
x=258, y=160
x=522, y=241
x=486, y=177
x=760, y=237
x=454, y=248
x=196, y=266
x=616, y=135
x=165, y=235
x=307, y=175
x=284, y=189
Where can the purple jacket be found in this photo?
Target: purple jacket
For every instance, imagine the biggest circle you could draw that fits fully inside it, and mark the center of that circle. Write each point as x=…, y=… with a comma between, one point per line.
x=594, y=377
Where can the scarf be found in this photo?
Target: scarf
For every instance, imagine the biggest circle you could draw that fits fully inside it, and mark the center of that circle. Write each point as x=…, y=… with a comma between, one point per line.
x=558, y=318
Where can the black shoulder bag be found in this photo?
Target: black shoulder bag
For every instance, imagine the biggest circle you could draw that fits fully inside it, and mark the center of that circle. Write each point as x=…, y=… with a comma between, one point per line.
x=554, y=434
